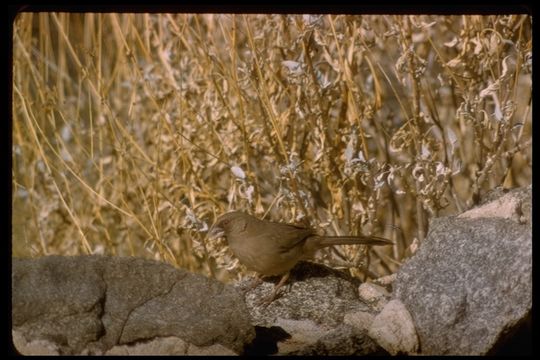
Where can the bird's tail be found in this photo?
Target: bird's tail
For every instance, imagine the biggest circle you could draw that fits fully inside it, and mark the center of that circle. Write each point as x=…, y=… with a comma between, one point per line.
x=350, y=240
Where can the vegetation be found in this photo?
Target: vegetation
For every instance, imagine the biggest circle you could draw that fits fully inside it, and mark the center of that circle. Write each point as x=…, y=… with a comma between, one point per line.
x=132, y=132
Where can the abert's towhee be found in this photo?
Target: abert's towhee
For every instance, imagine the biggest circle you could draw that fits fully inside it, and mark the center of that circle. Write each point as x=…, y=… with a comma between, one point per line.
x=272, y=248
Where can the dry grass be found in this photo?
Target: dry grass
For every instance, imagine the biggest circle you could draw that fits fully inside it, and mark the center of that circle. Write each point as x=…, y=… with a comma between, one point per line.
x=131, y=132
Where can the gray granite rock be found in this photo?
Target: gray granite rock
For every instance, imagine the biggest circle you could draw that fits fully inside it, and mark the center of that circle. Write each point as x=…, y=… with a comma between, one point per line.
x=361, y=320
x=314, y=292
x=309, y=314
x=342, y=340
x=470, y=283
x=168, y=346
x=88, y=304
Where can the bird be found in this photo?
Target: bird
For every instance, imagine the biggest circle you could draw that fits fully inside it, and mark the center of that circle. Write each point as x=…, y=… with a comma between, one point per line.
x=274, y=248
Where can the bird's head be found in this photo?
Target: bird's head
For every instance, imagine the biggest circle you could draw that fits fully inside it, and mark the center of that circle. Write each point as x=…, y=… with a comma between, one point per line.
x=234, y=221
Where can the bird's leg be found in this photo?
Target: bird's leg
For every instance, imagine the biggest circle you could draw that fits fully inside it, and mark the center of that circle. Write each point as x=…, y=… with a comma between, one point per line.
x=273, y=295
x=281, y=282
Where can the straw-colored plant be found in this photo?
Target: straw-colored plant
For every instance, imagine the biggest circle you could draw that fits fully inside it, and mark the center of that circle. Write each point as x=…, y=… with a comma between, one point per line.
x=131, y=132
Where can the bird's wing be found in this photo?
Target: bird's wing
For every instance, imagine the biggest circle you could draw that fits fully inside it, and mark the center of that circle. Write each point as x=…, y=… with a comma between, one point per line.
x=288, y=236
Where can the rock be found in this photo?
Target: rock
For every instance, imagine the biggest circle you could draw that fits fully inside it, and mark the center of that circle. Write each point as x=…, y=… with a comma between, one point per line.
x=385, y=281
x=374, y=294
x=360, y=320
x=168, y=346
x=302, y=333
x=35, y=347
x=394, y=330
x=308, y=338
x=88, y=304
x=307, y=319
x=342, y=340
x=313, y=292
x=514, y=206
x=470, y=284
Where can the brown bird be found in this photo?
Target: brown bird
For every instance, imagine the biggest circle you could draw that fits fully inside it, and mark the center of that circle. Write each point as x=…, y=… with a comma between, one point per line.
x=272, y=248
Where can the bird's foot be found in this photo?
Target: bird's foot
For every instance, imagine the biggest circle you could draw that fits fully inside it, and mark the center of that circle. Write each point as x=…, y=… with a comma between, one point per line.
x=267, y=300
x=274, y=295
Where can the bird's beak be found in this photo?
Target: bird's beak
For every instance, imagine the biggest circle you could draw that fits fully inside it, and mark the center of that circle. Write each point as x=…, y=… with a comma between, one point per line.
x=215, y=232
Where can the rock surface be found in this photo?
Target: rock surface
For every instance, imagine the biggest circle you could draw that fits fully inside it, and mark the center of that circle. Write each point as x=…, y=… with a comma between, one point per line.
x=89, y=304
x=467, y=289
x=394, y=329
x=166, y=346
x=470, y=283
x=309, y=315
